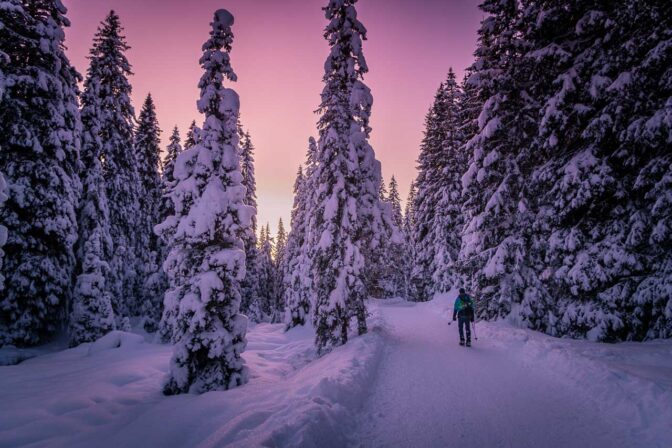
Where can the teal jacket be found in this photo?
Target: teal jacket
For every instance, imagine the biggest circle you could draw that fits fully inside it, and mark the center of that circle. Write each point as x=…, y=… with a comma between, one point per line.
x=464, y=307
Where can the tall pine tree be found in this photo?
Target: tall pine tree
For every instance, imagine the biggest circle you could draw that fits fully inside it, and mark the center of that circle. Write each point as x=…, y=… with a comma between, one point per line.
x=91, y=316
x=107, y=95
x=436, y=235
x=346, y=222
x=250, y=285
x=297, y=275
x=493, y=247
x=207, y=255
x=280, y=243
x=264, y=309
x=151, y=276
x=40, y=140
x=173, y=149
x=447, y=232
x=165, y=328
x=279, y=255
x=408, y=229
x=395, y=202
x=391, y=272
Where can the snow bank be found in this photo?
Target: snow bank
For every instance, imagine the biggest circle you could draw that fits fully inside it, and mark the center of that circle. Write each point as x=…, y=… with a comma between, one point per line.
x=11, y=355
x=108, y=393
x=630, y=382
x=114, y=339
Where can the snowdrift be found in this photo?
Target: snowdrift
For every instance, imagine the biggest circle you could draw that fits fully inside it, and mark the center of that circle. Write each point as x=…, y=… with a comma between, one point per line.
x=108, y=393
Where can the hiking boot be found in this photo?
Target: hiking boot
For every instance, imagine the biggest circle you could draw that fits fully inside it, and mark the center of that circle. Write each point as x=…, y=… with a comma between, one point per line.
x=461, y=341
x=468, y=343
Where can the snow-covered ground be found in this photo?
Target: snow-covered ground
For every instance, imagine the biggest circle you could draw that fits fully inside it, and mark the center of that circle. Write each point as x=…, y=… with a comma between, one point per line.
x=406, y=383
x=513, y=388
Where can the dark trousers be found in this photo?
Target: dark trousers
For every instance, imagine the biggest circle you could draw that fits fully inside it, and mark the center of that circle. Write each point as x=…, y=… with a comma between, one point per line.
x=462, y=323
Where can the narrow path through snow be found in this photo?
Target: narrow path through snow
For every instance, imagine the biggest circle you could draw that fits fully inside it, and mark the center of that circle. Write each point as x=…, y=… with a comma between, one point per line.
x=430, y=392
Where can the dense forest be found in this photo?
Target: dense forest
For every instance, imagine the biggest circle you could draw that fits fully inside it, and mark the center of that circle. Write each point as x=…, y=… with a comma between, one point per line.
x=544, y=188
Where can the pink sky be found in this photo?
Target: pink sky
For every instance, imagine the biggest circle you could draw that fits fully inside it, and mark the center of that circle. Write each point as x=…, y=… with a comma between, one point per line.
x=278, y=54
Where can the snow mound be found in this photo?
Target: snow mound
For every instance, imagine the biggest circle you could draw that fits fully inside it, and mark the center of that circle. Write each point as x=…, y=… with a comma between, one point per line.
x=630, y=382
x=115, y=339
x=113, y=398
x=10, y=355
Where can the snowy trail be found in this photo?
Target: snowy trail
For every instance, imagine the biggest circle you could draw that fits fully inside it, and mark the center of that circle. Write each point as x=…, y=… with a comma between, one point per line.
x=430, y=392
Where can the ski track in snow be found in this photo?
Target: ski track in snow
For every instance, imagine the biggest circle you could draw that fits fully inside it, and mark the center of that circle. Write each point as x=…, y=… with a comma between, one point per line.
x=431, y=392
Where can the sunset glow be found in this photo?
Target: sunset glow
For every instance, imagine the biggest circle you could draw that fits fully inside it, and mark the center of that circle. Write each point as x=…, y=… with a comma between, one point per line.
x=278, y=55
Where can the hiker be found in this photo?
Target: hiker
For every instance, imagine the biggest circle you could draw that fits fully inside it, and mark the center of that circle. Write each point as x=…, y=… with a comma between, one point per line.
x=464, y=310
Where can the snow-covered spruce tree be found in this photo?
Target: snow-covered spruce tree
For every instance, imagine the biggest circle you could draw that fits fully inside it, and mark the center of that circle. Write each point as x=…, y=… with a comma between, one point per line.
x=168, y=182
x=600, y=229
x=408, y=229
x=397, y=252
x=297, y=269
x=493, y=245
x=279, y=255
x=436, y=235
x=395, y=202
x=250, y=285
x=346, y=218
x=296, y=300
x=392, y=264
x=207, y=255
x=256, y=306
x=40, y=140
x=266, y=276
x=147, y=149
x=151, y=252
x=446, y=236
x=91, y=315
x=280, y=243
x=107, y=101
x=429, y=169
x=381, y=288
x=173, y=149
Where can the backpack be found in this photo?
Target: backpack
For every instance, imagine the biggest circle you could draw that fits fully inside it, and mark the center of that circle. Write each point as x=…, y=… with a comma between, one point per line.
x=467, y=307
